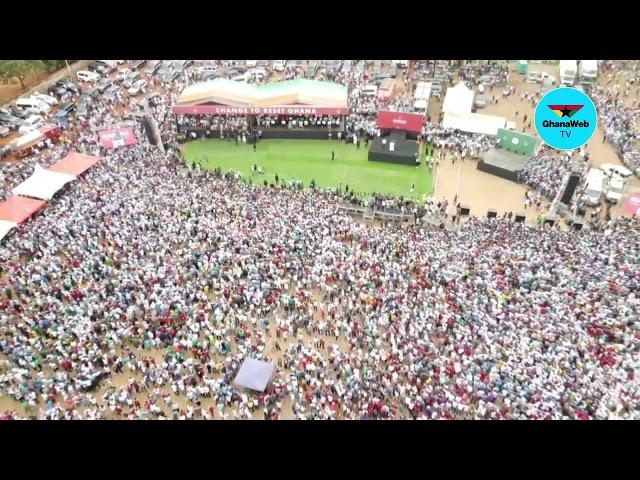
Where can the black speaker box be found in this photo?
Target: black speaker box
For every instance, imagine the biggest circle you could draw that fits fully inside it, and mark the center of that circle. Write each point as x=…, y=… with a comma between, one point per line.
x=491, y=213
x=572, y=184
x=464, y=210
x=519, y=218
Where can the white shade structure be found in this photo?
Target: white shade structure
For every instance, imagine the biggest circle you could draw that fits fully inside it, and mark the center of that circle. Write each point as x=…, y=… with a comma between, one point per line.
x=5, y=227
x=43, y=184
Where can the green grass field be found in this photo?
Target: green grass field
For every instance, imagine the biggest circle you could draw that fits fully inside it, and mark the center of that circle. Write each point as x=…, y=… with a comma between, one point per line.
x=308, y=160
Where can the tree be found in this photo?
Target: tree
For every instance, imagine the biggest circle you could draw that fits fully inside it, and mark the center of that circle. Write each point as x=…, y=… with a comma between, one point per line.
x=20, y=69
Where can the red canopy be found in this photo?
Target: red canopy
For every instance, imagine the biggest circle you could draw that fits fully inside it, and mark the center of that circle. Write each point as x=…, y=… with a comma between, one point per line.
x=19, y=209
x=74, y=164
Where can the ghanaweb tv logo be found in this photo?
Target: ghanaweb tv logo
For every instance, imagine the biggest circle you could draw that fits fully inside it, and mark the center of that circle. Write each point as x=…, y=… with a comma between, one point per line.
x=565, y=118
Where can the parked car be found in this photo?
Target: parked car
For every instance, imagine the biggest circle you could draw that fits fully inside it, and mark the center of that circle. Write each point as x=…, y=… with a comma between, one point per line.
x=137, y=64
x=11, y=121
x=122, y=74
x=103, y=84
x=87, y=76
x=110, y=65
x=21, y=114
x=33, y=105
x=137, y=87
x=48, y=99
x=480, y=101
x=70, y=86
x=611, y=169
x=31, y=124
x=99, y=68
x=67, y=107
x=57, y=89
x=153, y=67
x=4, y=131
x=61, y=117
x=131, y=79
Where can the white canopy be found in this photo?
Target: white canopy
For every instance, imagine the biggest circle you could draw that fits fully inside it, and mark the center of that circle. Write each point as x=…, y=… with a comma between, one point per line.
x=458, y=100
x=474, y=123
x=43, y=184
x=5, y=227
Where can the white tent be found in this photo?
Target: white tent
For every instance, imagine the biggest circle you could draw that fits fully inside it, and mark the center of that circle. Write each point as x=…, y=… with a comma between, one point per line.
x=43, y=184
x=255, y=374
x=5, y=227
x=474, y=123
x=458, y=100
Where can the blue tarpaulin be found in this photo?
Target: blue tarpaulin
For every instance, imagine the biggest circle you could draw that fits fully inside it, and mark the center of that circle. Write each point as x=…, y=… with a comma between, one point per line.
x=255, y=374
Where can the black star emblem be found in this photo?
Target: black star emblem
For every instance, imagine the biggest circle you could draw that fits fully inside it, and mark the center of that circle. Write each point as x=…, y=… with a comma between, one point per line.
x=565, y=112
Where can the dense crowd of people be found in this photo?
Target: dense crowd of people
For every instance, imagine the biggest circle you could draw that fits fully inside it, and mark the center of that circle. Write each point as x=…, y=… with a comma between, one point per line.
x=466, y=144
x=548, y=169
x=141, y=288
x=150, y=271
x=620, y=120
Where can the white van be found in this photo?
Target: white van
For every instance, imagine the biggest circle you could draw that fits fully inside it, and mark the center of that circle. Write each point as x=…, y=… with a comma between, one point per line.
x=593, y=187
x=48, y=99
x=32, y=105
x=534, y=77
x=615, y=187
x=87, y=76
x=31, y=124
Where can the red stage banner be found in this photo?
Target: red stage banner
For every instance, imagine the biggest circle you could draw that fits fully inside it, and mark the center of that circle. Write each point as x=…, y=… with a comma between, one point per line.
x=408, y=122
x=117, y=137
x=275, y=110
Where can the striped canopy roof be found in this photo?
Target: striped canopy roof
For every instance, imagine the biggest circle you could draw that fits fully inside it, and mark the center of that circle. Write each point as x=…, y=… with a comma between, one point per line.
x=240, y=94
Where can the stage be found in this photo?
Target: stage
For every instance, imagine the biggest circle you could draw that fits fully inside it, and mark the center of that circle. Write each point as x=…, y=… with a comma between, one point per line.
x=404, y=151
x=269, y=133
x=502, y=163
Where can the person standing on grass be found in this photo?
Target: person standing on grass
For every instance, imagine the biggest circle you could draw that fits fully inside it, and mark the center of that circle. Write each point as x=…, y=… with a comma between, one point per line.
x=333, y=155
x=255, y=145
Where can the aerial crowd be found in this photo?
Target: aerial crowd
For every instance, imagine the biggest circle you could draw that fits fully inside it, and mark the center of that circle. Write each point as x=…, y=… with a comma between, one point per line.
x=140, y=289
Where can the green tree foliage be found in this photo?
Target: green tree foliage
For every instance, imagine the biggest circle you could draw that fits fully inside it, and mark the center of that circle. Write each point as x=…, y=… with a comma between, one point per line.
x=53, y=65
x=20, y=69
